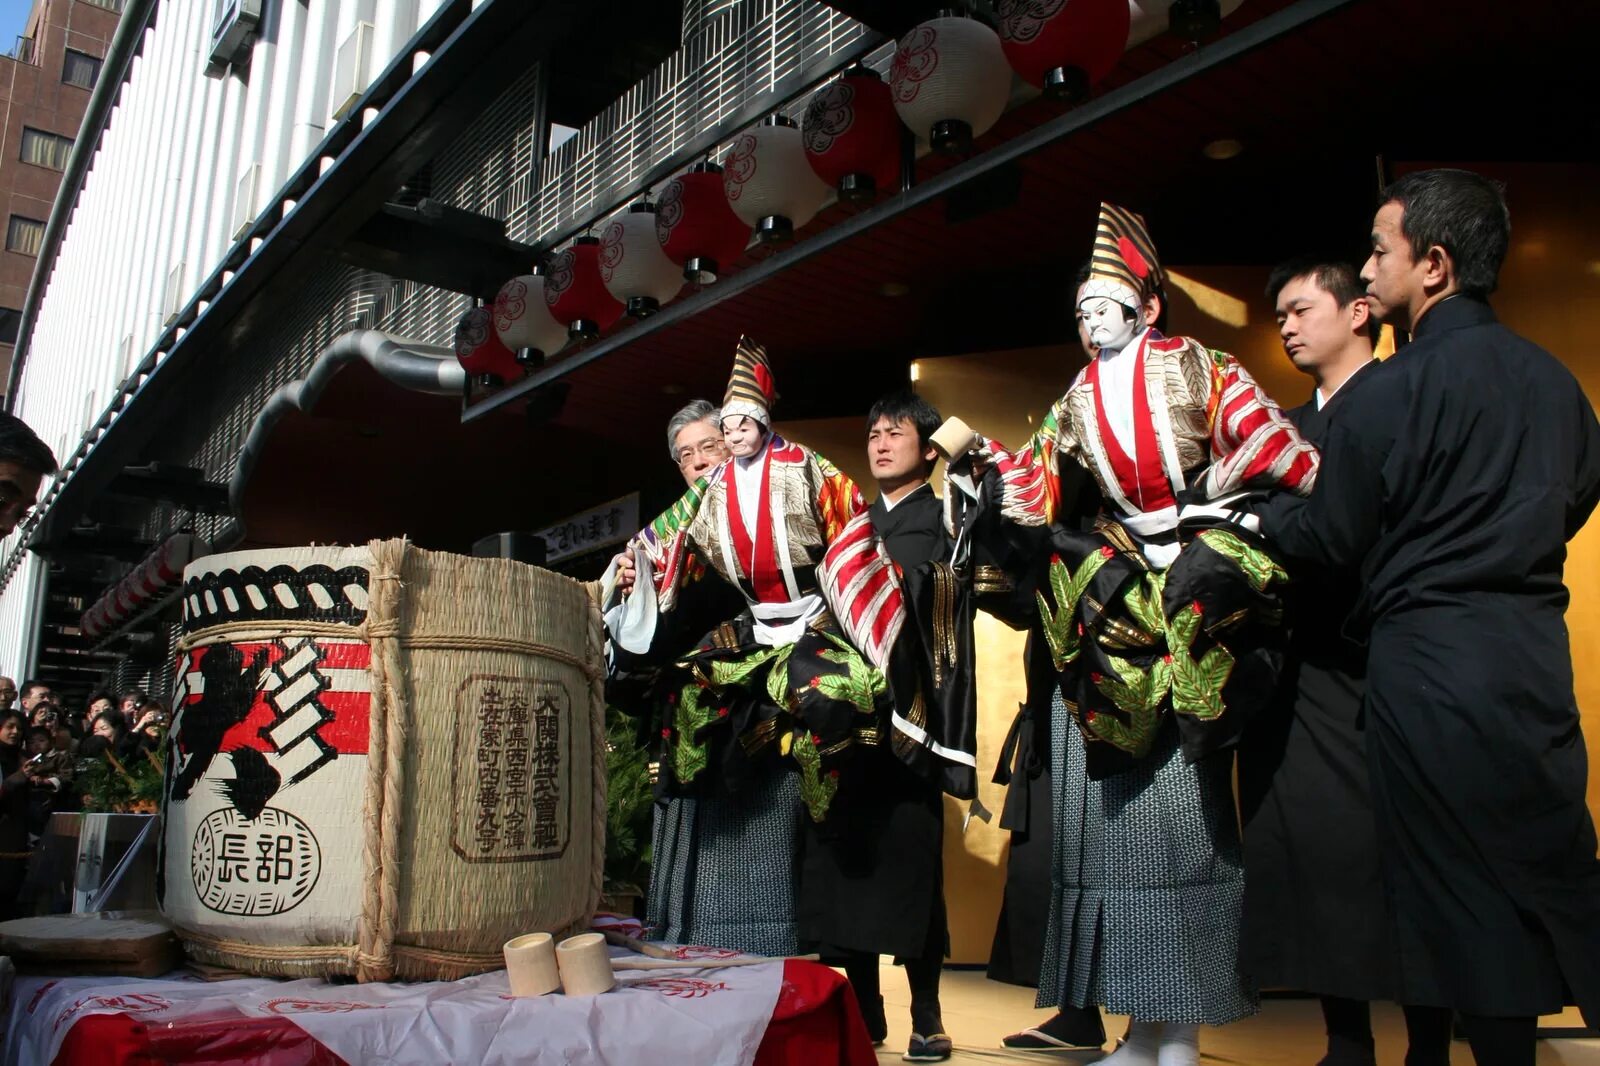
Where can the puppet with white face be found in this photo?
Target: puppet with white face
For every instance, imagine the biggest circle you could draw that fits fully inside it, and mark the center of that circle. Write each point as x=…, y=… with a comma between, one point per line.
x=1169, y=429
x=1112, y=314
x=1155, y=636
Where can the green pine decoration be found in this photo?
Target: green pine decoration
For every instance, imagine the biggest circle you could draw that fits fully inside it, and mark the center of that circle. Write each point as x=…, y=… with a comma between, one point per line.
x=1144, y=603
x=628, y=806
x=860, y=685
x=727, y=673
x=107, y=784
x=816, y=788
x=1061, y=626
x=1196, y=685
x=694, y=710
x=1138, y=693
x=1260, y=569
x=778, y=678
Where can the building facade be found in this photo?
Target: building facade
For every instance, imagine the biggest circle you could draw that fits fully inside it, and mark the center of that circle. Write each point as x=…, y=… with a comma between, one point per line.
x=45, y=84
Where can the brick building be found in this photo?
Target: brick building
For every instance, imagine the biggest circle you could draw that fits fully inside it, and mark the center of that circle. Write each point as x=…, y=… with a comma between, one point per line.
x=44, y=87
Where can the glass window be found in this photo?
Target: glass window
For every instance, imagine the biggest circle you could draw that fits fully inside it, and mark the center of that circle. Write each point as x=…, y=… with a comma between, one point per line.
x=24, y=235
x=10, y=322
x=45, y=149
x=80, y=69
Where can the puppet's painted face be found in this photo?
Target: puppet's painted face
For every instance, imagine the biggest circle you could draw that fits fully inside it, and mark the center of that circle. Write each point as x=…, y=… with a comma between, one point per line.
x=744, y=435
x=1107, y=322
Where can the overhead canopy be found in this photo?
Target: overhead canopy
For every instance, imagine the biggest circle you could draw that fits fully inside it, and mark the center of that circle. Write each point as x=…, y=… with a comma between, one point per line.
x=1315, y=111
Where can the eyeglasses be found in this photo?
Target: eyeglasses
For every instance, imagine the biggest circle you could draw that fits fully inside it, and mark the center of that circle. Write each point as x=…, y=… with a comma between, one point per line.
x=713, y=448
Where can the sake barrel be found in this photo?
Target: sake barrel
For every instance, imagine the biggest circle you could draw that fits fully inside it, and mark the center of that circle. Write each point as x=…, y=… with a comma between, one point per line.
x=384, y=763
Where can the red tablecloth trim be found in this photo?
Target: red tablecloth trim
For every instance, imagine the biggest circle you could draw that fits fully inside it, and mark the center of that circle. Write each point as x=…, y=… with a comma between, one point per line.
x=118, y=1040
x=814, y=1023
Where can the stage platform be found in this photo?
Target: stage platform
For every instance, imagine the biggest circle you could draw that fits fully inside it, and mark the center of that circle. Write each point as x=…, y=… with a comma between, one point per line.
x=1287, y=1032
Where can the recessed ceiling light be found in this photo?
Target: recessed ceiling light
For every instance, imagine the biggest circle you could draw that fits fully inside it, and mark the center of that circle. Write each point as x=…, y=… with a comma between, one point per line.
x=893, y=288
x=673, y=389
x=1222, y=148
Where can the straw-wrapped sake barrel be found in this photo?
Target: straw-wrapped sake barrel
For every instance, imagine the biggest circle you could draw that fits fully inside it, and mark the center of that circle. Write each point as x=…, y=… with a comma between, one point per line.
x=385, y=762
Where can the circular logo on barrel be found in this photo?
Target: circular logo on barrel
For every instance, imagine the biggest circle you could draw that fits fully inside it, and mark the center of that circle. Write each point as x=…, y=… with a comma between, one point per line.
x=254, y=866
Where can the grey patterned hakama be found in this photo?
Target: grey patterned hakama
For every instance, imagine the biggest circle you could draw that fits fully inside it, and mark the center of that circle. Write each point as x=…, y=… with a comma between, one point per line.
x=724, y=871
x=1146, y=888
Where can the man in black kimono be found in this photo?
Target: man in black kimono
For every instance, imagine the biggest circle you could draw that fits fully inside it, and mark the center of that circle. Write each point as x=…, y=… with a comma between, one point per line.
x=1314, y=913
x=883, y=851
x=1452, y=488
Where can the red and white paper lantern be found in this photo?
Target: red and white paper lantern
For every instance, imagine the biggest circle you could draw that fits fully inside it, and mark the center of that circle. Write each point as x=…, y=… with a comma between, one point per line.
x=480, y=352
x=522, y=320
x=852, y=135
x=768, y=182
x=697, y=229
x=950, y=81
x=576, y=293
x=158, y=572
x=633, y=266
x=1063, y=46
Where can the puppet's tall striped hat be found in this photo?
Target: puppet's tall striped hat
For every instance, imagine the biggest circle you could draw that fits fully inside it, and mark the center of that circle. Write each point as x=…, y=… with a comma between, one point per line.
x=1124, y=263
x=750, y=390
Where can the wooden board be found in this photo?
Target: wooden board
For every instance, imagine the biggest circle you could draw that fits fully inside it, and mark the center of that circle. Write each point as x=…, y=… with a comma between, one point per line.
x=72, y=944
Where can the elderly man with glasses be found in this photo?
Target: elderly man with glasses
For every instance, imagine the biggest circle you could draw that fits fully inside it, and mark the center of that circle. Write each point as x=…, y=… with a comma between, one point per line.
x=694, y=836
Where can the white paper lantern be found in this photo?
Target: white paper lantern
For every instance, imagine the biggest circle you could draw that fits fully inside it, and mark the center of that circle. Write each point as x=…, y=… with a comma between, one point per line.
x=950, y=81
x=632, y=264
x=522, y=318
x=769, y=183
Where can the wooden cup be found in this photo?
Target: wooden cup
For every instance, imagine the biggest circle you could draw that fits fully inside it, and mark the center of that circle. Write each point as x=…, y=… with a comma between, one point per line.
x=531, y=964
x=585, y=965
x=954, y=439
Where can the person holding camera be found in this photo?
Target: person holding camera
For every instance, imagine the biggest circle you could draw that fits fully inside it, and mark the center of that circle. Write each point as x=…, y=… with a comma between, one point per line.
x=15, y=786
x=150, y=731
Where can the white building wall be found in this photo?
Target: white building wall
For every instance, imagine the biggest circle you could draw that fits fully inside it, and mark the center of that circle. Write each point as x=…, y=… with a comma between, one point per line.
x=159, y=192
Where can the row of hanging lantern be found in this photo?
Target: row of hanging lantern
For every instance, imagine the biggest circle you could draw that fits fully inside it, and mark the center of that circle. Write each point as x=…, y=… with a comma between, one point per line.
x=949, y=84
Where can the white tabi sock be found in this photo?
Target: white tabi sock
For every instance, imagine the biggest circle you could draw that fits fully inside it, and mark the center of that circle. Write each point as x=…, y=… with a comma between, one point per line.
x=1141, y=1048
x=1180, y=1046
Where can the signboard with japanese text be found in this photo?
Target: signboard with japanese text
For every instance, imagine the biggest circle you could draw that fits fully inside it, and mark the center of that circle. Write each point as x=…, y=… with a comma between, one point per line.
x=598, y=527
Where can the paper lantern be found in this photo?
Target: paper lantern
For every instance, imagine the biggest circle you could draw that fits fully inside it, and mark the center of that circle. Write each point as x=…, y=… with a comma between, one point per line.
x=522, y=319
x=852, y=135
x=768, y=182
x=1063, y=46
x=480, y=352
x=633, y=266
x=697, y=229
x=575, y=292
x=950, y=81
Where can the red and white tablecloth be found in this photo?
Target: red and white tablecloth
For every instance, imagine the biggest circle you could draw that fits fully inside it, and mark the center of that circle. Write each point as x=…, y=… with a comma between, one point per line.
x=780, y=1013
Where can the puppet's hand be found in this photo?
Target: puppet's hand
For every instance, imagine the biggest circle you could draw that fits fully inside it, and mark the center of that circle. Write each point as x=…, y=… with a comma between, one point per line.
x=626, y=572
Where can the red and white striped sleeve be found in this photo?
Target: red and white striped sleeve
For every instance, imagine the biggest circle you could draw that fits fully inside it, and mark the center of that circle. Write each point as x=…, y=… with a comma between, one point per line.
x=1253, y=443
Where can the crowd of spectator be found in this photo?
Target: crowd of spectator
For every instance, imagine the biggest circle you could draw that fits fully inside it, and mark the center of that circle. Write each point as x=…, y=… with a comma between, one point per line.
x=45, y=746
